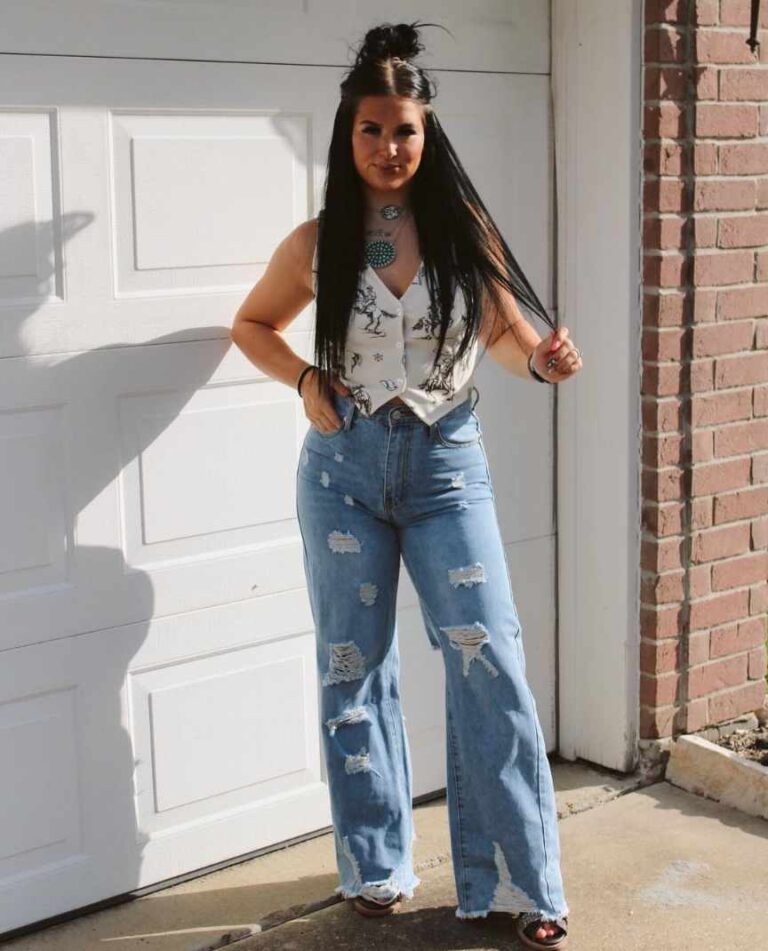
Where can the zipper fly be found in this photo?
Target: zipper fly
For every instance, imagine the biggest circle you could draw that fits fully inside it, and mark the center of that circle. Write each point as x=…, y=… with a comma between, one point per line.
x=396, y=464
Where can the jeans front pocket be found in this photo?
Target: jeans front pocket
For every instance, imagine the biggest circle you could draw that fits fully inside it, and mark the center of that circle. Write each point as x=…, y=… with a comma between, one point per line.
x=342, y=406
x=330, y=435
x=458, y=430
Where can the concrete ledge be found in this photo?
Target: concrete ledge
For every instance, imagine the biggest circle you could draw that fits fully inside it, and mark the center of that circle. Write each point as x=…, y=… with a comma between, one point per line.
x=701, y=767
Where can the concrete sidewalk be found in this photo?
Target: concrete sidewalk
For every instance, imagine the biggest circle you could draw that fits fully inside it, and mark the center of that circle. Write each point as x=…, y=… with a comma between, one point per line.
x=645, y=867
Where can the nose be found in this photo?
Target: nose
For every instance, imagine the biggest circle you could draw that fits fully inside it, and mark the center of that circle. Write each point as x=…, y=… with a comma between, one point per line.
x=390, y=149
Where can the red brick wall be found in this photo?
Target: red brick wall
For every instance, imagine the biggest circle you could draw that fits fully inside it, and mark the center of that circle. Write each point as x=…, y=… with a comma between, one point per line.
x=705, y=366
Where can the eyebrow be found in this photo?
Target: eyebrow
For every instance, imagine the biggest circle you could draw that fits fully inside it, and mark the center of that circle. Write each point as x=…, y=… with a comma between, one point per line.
x=402, y=124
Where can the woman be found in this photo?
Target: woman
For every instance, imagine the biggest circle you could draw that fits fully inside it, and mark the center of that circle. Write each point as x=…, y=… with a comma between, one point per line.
x=410, y=275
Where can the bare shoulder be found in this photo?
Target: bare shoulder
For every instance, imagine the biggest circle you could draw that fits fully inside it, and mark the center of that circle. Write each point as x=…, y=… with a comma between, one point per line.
x=300, y=245
x=285, y=287
x=304, y=237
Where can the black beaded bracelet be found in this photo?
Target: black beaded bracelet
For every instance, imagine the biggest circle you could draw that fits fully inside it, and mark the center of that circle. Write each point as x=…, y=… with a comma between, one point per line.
x=301, y=376
x=534, y=372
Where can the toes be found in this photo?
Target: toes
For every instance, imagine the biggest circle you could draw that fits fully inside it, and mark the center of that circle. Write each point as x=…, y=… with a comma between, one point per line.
x=547, y=929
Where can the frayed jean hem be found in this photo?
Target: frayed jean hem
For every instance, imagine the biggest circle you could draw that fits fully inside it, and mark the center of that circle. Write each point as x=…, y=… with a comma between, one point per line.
x=546, y=915
x=381, y=891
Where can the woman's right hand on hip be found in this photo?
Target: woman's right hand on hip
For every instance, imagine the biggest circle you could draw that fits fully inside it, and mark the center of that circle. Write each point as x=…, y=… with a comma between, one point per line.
x=318, y=408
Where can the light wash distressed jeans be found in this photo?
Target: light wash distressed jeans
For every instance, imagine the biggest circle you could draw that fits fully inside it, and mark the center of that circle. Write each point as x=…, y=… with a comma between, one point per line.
x=376, y=489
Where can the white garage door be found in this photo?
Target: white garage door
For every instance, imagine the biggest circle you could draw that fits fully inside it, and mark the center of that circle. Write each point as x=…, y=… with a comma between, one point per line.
x=158, y=698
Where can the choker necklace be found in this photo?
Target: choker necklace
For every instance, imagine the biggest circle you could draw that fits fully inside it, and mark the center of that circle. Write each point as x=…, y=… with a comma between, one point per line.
x=392, y=211
x=381, y=252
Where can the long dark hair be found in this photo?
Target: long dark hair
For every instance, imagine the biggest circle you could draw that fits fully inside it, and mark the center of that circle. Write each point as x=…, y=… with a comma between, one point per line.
x=459, y=241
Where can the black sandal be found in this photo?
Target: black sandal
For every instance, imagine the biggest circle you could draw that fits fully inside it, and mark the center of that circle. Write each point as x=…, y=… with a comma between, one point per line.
x=529, y=922
x=372, y=908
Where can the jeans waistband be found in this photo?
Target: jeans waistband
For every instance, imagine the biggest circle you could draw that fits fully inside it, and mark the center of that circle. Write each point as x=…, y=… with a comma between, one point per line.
x=397, y=411
x=389, y=411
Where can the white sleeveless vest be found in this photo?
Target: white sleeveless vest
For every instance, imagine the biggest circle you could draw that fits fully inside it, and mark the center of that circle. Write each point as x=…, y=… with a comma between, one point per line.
x=391, y=345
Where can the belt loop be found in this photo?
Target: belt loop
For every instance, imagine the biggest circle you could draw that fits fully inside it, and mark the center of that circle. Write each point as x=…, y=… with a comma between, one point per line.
x=477, y=396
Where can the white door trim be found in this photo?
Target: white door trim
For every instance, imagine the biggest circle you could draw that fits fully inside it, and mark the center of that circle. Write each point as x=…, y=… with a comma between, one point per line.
x=596, y=79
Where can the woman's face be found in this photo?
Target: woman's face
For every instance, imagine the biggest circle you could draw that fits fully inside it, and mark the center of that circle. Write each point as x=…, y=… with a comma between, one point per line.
x=387, y=141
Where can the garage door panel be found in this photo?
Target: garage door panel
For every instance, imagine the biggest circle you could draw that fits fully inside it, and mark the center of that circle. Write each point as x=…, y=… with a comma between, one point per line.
x=131, y=223
x=205, y=480
x=171, y=476
x=33, y=510
x=484, y=34
x=38, y=735
x=45, y=853
x=199, y=199
x=224, y=731
x=221, y=710
x=83, y=525
x=30, y=265
x=148, y=750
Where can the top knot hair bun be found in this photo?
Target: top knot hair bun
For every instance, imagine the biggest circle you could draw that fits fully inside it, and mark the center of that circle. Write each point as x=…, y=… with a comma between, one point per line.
x=390, y=41
x=383, y=66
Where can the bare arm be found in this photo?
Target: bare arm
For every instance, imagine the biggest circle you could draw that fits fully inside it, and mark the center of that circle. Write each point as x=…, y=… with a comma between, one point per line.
x=283, y=291
x=509, y=337
x=279, y=296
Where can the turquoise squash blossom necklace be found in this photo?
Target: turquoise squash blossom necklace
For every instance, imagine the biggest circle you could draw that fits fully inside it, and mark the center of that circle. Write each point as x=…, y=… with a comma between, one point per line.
x=380, y=251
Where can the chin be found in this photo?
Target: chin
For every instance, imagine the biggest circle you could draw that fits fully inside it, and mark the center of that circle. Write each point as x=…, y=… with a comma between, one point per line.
x=396, y=181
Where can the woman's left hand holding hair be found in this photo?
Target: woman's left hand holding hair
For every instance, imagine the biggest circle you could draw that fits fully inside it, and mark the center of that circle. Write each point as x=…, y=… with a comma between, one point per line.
x=556, y=357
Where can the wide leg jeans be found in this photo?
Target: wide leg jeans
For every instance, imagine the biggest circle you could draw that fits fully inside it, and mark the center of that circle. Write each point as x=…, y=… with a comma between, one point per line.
x=379, y=488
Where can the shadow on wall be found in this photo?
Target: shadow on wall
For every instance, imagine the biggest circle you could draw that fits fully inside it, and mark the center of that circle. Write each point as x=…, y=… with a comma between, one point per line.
x=61, y=600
